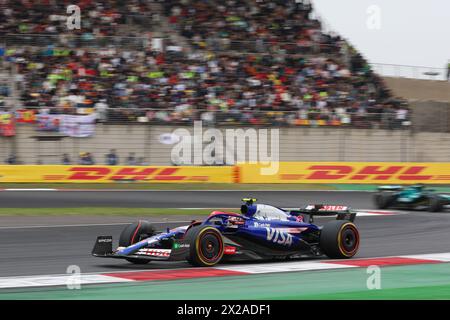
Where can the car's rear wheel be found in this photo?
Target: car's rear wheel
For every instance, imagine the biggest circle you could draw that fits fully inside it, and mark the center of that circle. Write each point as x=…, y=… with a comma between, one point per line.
x=339, y=239
x=132, y=234
x=383, y=200
x=206, y=246
x=436, y=204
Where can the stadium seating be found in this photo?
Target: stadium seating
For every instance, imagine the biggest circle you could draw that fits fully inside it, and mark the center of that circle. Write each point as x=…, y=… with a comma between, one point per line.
x=249, y=62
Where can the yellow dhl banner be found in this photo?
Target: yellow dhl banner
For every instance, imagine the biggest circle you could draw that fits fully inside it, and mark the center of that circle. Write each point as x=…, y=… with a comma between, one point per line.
x=348, y=172
x=287, y=172
x=108, y=174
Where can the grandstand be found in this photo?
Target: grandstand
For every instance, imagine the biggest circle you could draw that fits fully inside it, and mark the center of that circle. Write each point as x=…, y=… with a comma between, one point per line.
x=241, y=62
x=248, y=62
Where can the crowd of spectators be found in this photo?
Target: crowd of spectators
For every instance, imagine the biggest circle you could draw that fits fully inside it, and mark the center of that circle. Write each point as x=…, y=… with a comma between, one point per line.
x=278, y=68
x=49, y=17
x=275, y=26
x=111, y=159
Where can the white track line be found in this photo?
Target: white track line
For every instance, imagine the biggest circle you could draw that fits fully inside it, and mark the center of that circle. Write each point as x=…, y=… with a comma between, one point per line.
x=360, y=213
x=284, y=267
x=88, y=225
x=69, y=280
x=431, y=256
x=195, y=190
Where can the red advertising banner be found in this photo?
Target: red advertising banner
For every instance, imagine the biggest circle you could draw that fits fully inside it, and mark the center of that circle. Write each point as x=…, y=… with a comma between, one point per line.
x=7, y=124
x=108, y=174
x=348, y=172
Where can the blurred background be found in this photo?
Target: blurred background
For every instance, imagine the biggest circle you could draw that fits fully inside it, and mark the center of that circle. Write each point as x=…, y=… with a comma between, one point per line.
x=135, y=70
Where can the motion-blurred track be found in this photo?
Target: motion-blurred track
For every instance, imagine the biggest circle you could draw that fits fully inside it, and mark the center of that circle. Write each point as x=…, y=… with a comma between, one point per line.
x=30, y=250
x=175, y=199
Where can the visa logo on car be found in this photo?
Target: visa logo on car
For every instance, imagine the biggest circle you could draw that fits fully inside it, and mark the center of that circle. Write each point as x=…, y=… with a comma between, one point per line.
x=277, y=236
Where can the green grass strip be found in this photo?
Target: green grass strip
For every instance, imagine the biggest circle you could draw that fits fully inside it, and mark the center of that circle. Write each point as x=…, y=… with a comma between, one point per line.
x=430, y=281
x=167, y=186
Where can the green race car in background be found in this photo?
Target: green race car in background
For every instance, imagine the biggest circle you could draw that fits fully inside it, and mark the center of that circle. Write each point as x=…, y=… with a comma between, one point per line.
x=411, y=197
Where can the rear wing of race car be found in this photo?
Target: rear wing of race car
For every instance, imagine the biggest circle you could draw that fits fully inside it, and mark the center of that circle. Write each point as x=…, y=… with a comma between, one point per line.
x=341, y=212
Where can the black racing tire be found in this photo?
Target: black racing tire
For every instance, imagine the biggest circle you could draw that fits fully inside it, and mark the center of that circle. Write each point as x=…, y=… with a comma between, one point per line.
x=132, y=233
x=435, y=204
x=383, y=200
x=206, y=246
x=339, y=239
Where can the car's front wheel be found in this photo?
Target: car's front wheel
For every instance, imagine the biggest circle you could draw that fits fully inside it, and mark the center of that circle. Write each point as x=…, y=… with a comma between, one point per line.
x=339, y=239
x=206, y=246
x=383, y=200
x=134, y=233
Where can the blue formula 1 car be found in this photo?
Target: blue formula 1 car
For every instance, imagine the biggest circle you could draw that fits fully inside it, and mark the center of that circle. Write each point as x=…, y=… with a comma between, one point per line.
x=412, y=197
x=258, y=232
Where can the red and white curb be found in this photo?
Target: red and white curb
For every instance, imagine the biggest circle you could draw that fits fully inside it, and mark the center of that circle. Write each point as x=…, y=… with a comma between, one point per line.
x=220, y=271
x=29, y=189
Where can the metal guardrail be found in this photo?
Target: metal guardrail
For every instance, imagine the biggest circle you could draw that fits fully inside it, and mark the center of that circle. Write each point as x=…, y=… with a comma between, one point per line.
x=74, y=41
x=218, y=45
x=271, y=118
x=301, y=143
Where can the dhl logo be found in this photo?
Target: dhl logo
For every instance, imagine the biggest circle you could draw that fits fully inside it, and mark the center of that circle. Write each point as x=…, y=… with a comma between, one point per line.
x=127, y=173
x=370, y=172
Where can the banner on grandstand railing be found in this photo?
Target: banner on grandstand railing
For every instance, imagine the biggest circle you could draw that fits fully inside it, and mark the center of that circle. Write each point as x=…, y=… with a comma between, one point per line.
x=70, y=125
x=349, y=173
x=109, y=174
x=7, y=124
x=48, y=122
x=77, y=126
x=25, y=116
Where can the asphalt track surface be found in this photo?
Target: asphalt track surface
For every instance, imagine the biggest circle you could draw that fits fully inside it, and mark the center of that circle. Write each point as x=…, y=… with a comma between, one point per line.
x=175, y=199
x=29, y=250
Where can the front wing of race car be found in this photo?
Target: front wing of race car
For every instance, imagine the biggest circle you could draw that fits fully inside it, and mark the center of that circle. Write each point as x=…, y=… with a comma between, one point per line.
x=103, y=248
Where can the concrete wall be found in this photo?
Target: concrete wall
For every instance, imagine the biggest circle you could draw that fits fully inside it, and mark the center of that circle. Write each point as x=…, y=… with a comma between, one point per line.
x=296, y=144
x=415, y=89
x=430, y=116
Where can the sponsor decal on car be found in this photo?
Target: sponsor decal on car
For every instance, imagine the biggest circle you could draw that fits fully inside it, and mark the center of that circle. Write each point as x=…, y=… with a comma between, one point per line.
x=229, y=250
x=333, y=208
x=155, y=252
x=180, y=245
x=278, y=236
x=236, y=220
x=327, y=208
